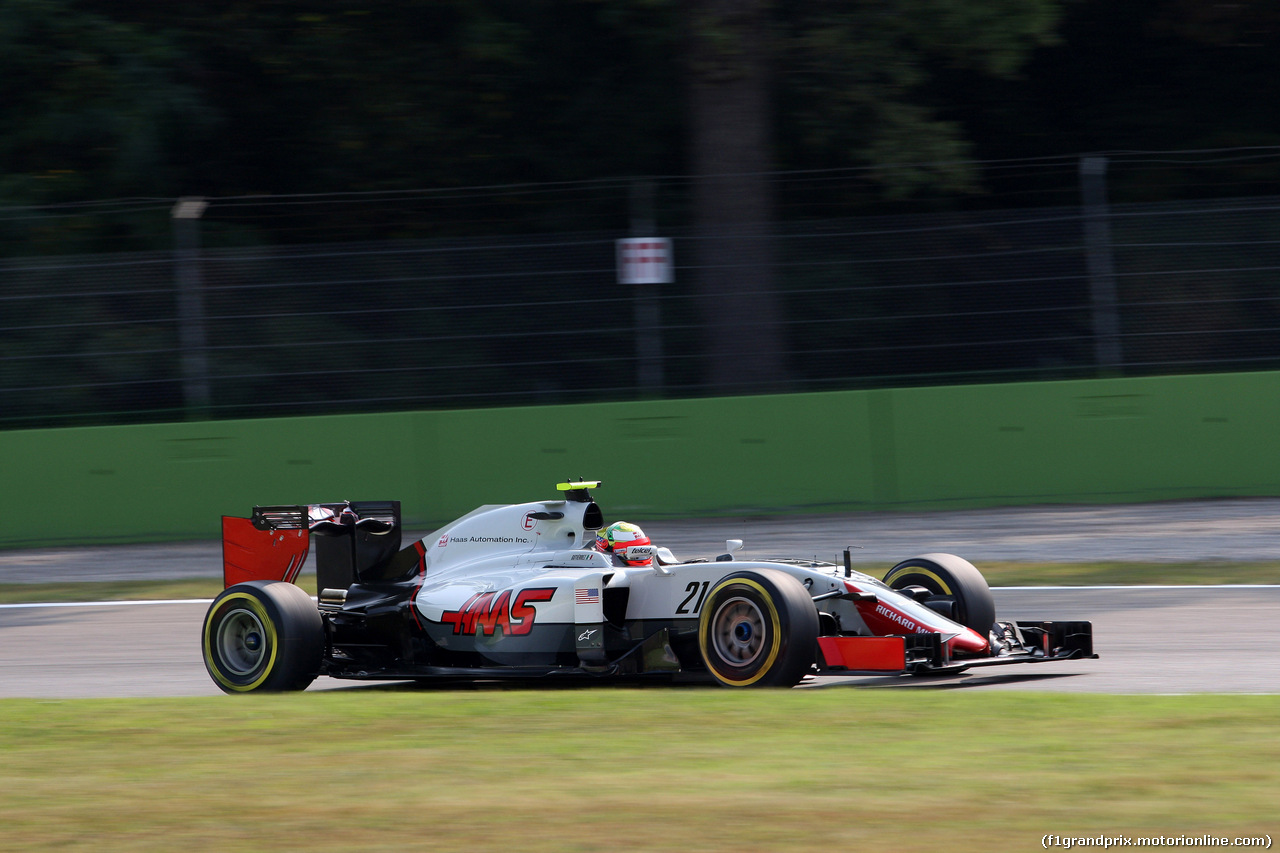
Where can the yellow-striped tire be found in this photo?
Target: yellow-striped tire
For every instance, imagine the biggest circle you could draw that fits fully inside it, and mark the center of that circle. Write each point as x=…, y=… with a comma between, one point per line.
x=262, y=636
x=949, y=578
x=758, y=628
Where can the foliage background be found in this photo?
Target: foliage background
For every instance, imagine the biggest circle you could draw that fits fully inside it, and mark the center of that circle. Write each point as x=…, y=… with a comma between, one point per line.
x=116, y=99
x=757, y=130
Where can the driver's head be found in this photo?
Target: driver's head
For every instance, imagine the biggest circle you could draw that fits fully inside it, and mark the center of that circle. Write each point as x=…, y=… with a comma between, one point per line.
x=619, y=536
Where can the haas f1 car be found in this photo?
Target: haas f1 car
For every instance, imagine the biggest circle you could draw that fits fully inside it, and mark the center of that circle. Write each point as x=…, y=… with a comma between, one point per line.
x=522, y=591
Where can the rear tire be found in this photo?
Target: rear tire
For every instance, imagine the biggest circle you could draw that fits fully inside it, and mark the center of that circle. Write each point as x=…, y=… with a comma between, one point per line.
x=952, y=578
x=758, y=629
x=262, y=636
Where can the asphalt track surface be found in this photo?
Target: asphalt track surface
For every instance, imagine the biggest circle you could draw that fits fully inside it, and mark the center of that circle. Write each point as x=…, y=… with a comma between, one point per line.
x=1166, y=639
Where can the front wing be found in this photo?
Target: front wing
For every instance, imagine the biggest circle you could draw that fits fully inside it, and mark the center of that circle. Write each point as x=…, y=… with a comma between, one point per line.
x=924, y=654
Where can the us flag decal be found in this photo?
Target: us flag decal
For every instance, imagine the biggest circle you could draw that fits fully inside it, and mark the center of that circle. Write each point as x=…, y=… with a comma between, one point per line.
x=590, y=595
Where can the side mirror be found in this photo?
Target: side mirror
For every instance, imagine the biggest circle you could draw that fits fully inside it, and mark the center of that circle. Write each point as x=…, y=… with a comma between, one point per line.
x=730, y=546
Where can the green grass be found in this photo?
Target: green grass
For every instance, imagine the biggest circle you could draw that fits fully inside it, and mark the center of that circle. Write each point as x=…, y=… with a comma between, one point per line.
x=632, y=769
x=1090, y=574
x=20, y=593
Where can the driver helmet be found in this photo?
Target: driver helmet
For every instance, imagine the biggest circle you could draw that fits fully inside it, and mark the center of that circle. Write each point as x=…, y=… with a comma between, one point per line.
x=619, y=536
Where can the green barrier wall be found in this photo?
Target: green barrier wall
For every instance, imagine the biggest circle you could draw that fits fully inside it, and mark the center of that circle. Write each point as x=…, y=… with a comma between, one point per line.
x=961, y=446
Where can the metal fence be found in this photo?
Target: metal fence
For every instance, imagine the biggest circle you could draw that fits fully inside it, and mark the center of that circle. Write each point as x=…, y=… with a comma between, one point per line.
x=866, y=302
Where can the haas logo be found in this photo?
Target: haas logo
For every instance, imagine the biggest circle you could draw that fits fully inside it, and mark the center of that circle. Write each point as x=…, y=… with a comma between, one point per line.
x=486, y=613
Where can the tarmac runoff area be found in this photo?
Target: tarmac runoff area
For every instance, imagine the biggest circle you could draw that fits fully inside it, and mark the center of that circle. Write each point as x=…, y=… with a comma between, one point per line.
x=1177, y=531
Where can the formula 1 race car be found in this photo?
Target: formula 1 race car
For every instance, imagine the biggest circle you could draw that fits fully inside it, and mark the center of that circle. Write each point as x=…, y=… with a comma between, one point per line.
x=521, y=591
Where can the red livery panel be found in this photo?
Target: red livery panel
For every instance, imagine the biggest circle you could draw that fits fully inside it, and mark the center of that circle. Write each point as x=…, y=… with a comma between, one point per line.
x=883, y=618
x=865, y=654
x=250, y=554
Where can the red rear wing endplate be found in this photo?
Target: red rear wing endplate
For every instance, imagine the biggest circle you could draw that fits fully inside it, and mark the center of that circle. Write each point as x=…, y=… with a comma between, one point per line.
x=249, y=554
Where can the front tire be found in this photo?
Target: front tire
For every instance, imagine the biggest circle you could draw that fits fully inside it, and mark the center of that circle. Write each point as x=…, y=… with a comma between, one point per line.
x=949, y=578
x=262, y=636
x=758, y=629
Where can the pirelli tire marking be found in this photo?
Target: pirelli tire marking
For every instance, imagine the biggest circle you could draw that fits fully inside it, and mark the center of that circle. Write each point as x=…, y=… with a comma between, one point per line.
x=240, y=640
x=263, y=635
x=758, y=628
x=943, y=587
x=949, y=576
x=735, y=630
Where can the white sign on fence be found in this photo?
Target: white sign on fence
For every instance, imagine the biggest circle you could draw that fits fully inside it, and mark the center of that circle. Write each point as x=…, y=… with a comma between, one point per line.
x=645, y=260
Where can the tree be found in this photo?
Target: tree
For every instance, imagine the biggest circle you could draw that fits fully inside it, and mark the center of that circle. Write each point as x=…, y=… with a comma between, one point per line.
x=92, y=109
x=851, y=80
x=731, y=124
x=1141, y=75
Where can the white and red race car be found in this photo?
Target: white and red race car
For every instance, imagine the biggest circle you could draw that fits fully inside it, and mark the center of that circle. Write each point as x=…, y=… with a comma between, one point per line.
x=520, y=591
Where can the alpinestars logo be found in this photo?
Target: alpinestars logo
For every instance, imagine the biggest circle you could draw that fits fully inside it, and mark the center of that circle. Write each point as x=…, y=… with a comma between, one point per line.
x=486, y=613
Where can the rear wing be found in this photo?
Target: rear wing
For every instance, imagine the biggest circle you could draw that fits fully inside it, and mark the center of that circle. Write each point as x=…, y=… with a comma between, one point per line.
x=357, y=540
x=374, y=516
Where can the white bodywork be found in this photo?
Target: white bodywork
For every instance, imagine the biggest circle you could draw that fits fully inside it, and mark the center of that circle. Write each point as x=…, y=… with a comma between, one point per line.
x=505, y=551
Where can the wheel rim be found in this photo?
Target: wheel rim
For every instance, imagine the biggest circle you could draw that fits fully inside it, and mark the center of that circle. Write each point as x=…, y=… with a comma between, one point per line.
x=241, y=641
x=738, y=632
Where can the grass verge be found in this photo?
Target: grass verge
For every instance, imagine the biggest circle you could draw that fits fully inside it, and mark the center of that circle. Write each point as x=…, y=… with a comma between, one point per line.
x=633, y=770
x=25, y=593
x=1137, y=574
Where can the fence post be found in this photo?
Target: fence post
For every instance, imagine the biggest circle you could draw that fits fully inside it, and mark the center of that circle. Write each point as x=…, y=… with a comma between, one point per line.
x=1099, y=262
x=192, y=339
